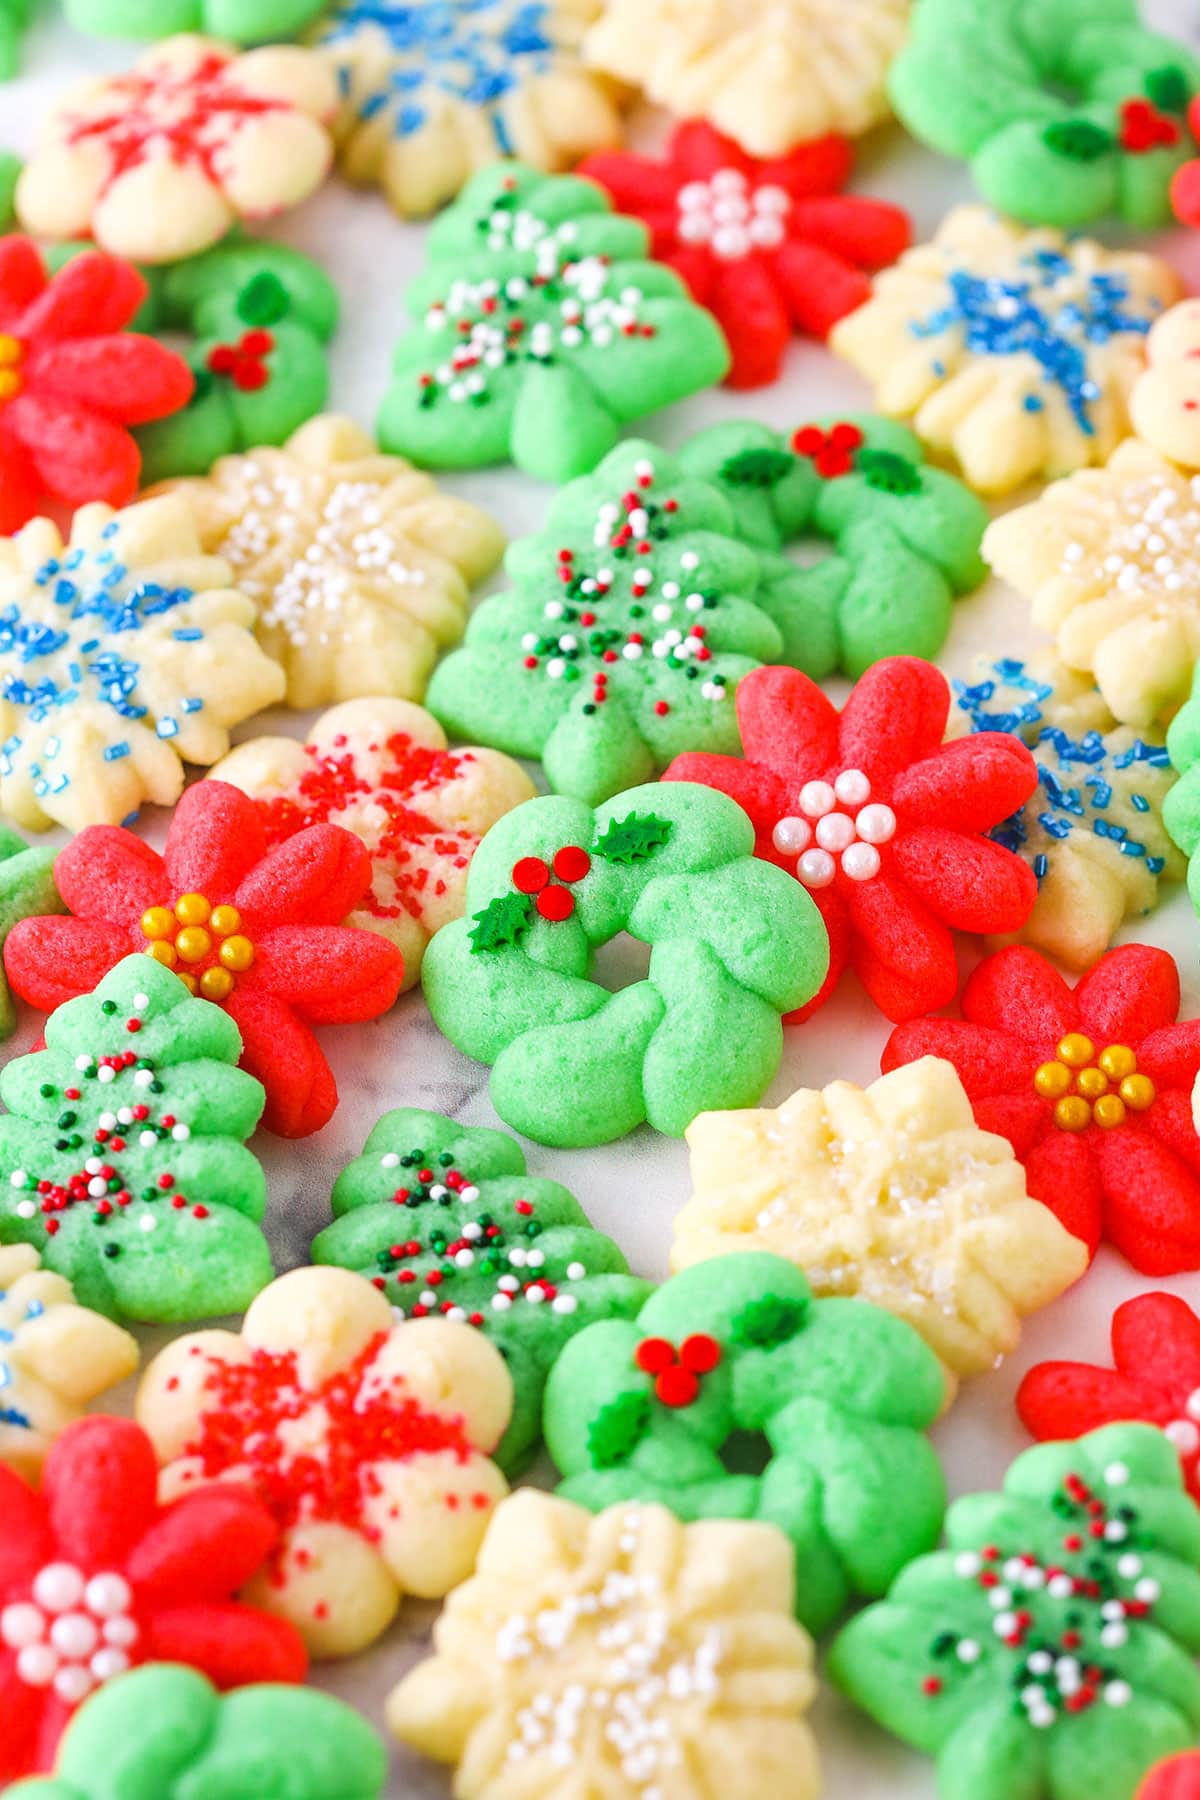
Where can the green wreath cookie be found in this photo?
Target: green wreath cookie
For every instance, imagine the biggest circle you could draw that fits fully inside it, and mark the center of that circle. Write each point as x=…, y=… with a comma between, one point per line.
x=906, y=537
x=1047, y=1653
x=121, y=1155
x=444, y=1219
x=1065, y=109
x=14, y=22
x=540, y=328
x=1181, y=806
x=634, y=614
x=734, y=944
x=27, y=891
x=10, y=170
x=237, y=21
x=733, y=1363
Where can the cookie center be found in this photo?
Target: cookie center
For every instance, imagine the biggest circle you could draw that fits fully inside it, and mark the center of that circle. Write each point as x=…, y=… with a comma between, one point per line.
x=74, y=1633
x=730, y=216
x=206, y=940
x=12, y=354
x=837, y=827
x=1090, y=1089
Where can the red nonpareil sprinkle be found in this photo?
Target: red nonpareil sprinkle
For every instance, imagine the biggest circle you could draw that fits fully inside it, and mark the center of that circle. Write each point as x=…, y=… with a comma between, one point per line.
x=524, y=1207
x=133, y=1024
x=661, y=708
x=931, y=1685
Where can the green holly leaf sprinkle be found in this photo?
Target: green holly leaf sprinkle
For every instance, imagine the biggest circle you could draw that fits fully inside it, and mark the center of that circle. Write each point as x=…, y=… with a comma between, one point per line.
x=263, y=300
x=1168, y=88
x=888, y=472
x=632, y=838
x=768, y=1321
x=614, y=1433
x=501, y=922
x=761, y=468
x=1078, y=139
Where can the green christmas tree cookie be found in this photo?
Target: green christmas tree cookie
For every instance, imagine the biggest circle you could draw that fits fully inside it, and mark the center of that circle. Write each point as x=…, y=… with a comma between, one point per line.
x=444, y=1219
x=905, y=537
x=541, y=327
x=735, y=943
x=733, y=1365
x=237, y=21
x=1047, y=1653
x=121, y=1155
x=634, y=614
x=27, y=891
x=163, y=1732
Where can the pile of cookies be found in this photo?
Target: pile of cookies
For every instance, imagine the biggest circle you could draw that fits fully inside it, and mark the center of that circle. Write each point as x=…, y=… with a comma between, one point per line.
x=714, y=703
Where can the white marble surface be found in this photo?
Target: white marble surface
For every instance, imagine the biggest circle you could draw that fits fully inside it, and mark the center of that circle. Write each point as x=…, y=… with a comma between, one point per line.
x=632, y=1189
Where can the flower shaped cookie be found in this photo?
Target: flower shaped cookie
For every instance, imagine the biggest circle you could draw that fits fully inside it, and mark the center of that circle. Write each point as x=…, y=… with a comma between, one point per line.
x=437, y=90
x=1165, y=403
x=1092, y=1088
x=124, y=651
x=160, y=162
x=1108, y=560
x=1012, y=351
x=358, y=563
x=890, y=1193
x=383, y=770
x=879, y=821
x=622, y=1655
x=255, y=928
x=1047, y=1652
x=1156, y=1378
x=367, y=1441
x=768, y=247
x=1093, y=830
x=55, y=1357
x=73, y=379
x=97, y=1576
x=770, y=76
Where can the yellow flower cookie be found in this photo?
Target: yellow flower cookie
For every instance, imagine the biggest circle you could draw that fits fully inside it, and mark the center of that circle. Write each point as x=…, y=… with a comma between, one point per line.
x=770, y=73
x=358, y=563
x=366, y=1438
x=55, y=1357
x=891, y=1192
x=623, y=1655
x=1012, y=351
x=382, y=769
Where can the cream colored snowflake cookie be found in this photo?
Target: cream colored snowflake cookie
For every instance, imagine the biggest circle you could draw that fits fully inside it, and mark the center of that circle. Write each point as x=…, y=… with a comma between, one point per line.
x=160, y=162
x=1092, y=831
x=382, y=769
x=358, y=563
x=1165, y=403
x=55, y=1357
x=124, y=652
x=1012, y=351
x=891, y=1192
x=433, y=92
x=770, y=73
x=1110, y=562
x=624, y=1655
x=366, y=1438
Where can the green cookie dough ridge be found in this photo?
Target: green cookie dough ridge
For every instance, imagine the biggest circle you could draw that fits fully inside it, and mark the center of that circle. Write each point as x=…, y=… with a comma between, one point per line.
x=15, y=16
x=735, y=944
x=162, y=1732
x=1181, y=807
x=1047, y=1653
x=480, y=1220
x=838, y=1393
x=1032, y=97
x=126, y=1244
x=237, y=21
x=905, y=539
x=525, y=384
x=27, y=891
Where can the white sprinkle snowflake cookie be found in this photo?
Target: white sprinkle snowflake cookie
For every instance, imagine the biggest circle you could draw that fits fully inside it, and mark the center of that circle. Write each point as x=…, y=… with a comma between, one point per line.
x=160, y=162
x=1110, y=562
x=358, y=563
x=770, y=73
x=890, y=1192
x=1012, y=351
x=625, y=1655
x=382, y=769
x=123, y=653
x=433, y=92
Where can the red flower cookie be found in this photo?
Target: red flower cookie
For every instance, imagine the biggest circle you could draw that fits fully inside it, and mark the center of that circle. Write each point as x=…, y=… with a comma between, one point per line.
x=769, y=247
x=1092, y=1087
x=256, y=930
x=1156, y=1350
x=72, y=380
x=882, y=822
x=96, y=1576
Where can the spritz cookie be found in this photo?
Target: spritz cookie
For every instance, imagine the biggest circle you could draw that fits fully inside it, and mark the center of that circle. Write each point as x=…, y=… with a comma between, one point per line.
x=1165, y=402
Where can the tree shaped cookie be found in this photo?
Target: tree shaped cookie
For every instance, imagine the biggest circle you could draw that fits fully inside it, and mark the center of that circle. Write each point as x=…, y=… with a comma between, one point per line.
x=122, y=1156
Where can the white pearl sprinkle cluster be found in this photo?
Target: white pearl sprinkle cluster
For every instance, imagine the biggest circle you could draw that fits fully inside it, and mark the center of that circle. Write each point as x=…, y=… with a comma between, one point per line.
x=1140, y=538
x=74, y=1634
x=730, y=216
x=824, y=835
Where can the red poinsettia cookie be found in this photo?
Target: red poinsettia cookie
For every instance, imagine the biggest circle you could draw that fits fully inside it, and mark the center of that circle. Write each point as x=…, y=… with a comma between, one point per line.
x=257, y=930
x=1092, y=1086
x=880, y=820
